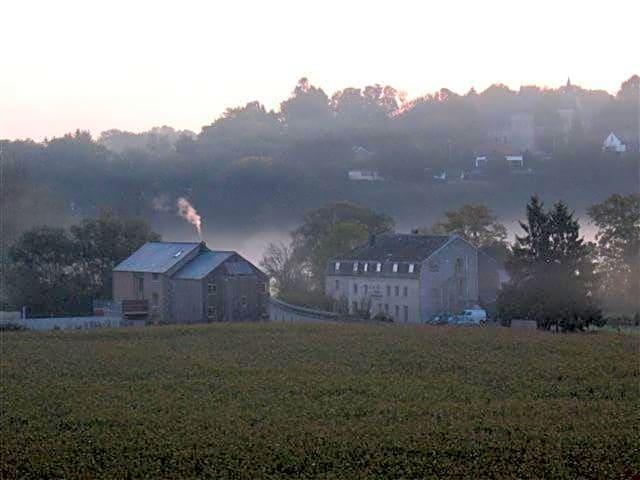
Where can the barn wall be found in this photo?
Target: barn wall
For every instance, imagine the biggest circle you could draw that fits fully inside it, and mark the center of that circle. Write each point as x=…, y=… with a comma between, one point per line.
x=235, y=288
x=123, y=286
x=187, y=301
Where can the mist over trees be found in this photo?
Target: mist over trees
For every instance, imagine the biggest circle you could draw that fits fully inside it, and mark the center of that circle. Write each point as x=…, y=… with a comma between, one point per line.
x=253, y=167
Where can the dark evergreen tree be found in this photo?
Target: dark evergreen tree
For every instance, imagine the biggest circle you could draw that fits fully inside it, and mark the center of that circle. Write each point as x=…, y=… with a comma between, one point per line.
x=552, y=272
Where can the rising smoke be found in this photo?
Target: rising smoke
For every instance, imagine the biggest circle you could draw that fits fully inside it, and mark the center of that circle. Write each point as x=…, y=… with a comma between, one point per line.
x=186, y=211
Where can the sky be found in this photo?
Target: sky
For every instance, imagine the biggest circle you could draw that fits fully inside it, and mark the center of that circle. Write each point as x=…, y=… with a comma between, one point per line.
x=137, y=64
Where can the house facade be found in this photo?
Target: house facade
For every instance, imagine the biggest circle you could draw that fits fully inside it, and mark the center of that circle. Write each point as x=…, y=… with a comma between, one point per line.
x=178, y=282
x=411, y=278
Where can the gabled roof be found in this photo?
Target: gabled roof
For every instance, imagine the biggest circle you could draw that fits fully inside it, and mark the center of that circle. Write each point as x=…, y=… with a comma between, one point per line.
x=203, y=264
x=398, y=248
x=156, y=257
x=614, y=139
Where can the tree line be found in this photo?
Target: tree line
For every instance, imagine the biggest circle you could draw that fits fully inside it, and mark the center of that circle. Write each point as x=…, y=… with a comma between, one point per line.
x=258, y=166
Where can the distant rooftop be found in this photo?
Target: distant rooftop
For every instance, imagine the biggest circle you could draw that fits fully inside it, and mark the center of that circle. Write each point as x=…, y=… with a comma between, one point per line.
x=156, y=257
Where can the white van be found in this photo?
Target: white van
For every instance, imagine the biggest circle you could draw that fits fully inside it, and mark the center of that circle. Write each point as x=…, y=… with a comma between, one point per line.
x=470, y=316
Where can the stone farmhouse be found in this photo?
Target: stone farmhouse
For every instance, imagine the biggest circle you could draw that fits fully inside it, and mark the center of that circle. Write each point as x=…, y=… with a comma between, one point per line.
x=412, y=278
x=178, y=282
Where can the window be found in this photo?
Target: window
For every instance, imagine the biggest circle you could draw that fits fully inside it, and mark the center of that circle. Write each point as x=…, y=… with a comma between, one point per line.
x=395, y=268
x=406, y=313
x=337, y=284
x=141, y=285
x=243, y=301
x=411, y=267
x=155, y=299
x=405, y=291
x=155, y=277
x=355, y=288
x=397, y=290
x=355, y=266
x=337, y=266
x=397, y=311
x=354, y=307
x=458, y=266
x=378, y=267
x=366, y=267
x=366, y=289
x=388, y=290
x=212, y=288
x=386, y=308
x=211, y=312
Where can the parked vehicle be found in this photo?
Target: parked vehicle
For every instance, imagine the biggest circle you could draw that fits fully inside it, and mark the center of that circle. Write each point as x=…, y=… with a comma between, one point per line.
x=469, y=316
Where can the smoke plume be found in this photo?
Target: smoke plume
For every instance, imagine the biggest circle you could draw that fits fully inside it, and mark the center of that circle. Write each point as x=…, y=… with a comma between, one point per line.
x=186, y=211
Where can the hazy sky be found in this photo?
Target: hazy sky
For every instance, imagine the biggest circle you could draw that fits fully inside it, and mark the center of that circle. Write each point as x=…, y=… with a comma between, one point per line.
x=135, y=64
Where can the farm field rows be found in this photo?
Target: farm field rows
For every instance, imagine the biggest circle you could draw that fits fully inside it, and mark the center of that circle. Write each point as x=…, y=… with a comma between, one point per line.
x=322, y=400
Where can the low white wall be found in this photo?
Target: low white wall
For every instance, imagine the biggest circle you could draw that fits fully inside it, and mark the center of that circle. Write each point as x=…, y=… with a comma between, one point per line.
x=69, y=323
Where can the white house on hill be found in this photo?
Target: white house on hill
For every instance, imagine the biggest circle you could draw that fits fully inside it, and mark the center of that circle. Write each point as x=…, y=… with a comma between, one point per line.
x=613, y=144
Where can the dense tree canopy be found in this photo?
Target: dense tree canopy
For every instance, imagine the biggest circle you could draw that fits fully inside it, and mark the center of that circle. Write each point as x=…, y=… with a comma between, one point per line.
x=551, y=272
x=618, y=223
x=475, y=223
x=53, y=270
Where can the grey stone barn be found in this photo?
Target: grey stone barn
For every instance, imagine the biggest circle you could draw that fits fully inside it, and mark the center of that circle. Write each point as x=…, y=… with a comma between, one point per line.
x=409, y=277
x=179, y=282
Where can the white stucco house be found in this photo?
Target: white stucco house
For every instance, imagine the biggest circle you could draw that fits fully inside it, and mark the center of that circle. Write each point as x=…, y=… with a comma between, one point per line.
x=410, y=277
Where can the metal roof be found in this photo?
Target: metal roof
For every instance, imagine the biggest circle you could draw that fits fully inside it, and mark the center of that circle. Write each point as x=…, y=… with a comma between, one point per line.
x=156, y=257
x=239, y=268
x=203, y=264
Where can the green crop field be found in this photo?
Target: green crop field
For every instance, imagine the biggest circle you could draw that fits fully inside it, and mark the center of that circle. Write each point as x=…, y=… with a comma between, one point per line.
x=322, y=400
